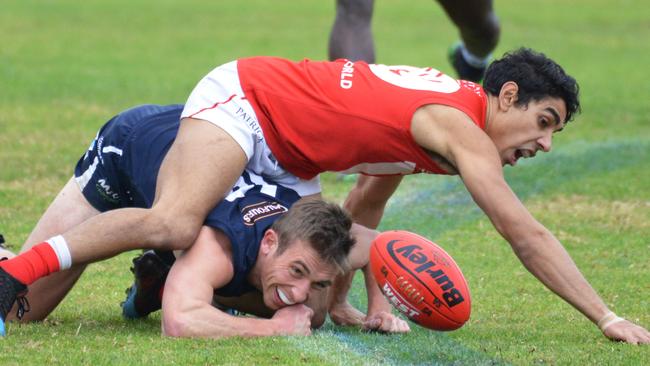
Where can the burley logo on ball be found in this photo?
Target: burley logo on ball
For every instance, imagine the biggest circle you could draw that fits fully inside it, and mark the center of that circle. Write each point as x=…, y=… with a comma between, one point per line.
x=414, y=254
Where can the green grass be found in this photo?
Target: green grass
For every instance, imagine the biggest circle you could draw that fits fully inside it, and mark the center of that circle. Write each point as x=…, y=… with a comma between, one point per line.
x=67, y=66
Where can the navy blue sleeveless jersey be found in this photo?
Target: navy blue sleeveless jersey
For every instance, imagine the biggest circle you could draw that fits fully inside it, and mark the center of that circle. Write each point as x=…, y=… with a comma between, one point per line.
x=120, y=170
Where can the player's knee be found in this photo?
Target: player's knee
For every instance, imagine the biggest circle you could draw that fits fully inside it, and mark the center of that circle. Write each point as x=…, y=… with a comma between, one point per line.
x=171, y=232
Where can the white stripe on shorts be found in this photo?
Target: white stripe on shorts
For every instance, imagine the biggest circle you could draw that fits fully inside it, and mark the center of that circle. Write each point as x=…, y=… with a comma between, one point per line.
x=83, y=179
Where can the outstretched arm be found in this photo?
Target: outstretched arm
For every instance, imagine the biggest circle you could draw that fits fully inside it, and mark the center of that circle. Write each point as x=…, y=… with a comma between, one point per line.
x=186, y=306
x=474, y=155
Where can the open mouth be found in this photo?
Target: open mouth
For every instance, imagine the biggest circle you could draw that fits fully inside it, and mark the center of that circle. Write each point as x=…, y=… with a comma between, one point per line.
x=521, y=153
x=283, y=297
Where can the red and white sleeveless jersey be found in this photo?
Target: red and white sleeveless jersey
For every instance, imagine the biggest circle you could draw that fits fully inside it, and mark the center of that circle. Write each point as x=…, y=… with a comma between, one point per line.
x=348, y=116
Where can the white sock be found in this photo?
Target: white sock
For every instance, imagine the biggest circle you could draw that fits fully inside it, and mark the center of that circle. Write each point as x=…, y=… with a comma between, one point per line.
x=60, y=247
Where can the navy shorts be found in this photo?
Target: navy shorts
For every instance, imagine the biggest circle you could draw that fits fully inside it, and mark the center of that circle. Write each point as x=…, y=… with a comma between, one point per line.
x=120, y=170
x=121, y=165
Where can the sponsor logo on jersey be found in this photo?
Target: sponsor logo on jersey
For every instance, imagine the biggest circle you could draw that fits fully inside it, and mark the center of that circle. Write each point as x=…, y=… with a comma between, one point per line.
x=400, y=250
x=100, y=143
x=346, y=75
x=258, y=211
x=251, y=120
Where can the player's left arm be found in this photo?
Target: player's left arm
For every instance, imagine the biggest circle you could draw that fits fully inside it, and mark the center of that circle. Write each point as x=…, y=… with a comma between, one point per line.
x=187, y=309
x=452, y=135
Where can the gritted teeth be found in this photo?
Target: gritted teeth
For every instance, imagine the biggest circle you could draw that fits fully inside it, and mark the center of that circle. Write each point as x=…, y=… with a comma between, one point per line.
x=284, y=298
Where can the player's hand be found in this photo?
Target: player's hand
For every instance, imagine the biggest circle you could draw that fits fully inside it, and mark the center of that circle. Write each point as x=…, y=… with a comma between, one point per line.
x=386, y=323
x=345, y=314
x=294, y=320
x=626, y=331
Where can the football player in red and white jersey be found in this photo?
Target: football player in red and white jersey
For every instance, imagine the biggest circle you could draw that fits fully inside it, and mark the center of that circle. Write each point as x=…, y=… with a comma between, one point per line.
x=290, y=121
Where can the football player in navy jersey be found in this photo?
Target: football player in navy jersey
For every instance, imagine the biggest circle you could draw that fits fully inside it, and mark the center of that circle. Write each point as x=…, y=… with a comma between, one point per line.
x=252, y=242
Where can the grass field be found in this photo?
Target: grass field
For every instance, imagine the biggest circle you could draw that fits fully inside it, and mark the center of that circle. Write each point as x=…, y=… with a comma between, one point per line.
x=67, y=66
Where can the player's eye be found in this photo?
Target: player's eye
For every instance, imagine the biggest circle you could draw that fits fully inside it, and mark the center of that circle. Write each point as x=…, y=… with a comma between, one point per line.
x=543, y=122
x=319, y=286
x=296, y=272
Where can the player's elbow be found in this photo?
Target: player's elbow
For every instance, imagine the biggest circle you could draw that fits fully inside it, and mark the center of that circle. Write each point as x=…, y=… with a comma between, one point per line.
x=175, y=324
x=520, y=232
x=527, y=246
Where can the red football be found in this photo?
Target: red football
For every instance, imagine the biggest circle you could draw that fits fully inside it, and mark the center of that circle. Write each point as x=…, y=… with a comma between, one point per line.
x=420, y=279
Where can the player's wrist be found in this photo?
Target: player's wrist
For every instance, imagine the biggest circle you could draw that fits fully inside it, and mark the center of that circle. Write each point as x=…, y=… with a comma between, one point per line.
x=378, y=304
x=607, y=320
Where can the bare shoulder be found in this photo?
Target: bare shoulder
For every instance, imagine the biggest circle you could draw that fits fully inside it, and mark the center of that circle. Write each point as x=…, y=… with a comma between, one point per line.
x=446, y=131
x=442, y=120
x=210, y=256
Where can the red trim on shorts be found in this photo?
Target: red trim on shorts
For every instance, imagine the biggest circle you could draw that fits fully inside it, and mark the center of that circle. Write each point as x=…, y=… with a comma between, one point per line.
x=215, y=105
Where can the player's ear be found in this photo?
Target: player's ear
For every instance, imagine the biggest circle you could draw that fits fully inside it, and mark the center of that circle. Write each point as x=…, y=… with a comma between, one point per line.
x=508, y=95
x=269, y=242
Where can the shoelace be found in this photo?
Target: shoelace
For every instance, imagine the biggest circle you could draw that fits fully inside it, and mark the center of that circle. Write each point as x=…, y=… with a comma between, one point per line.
x=23, y=306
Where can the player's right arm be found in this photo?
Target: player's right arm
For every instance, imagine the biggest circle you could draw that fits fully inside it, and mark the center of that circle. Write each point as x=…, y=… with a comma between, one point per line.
x=452, y=135
x=187, y=309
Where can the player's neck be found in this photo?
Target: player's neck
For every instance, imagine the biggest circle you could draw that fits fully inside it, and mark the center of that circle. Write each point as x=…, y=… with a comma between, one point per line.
x=491, y=108
x=254, y=277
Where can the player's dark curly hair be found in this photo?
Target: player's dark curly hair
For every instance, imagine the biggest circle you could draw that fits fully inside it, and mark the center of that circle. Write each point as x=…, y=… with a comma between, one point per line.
x=326, y=226
x=536, y=75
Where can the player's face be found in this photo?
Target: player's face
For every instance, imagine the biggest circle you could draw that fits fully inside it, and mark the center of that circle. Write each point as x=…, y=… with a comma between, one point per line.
x=294, y=275
x=523, y=131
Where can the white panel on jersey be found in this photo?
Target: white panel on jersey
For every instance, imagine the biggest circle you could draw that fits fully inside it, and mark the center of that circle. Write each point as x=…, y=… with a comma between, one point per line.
x=404, y=167
x=267, y=189
x=416, y=78
x=241, y=189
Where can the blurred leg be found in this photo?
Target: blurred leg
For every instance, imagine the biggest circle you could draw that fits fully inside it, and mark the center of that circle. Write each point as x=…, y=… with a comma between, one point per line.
x=477, y=23
x=351, y=35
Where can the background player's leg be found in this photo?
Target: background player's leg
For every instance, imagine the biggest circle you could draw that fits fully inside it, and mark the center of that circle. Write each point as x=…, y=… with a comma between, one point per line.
x=477, y=23
x=68, y=209
x=351, y=35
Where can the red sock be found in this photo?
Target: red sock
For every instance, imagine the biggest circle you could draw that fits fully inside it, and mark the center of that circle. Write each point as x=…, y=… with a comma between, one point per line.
x=39, y=261
x=160, y=293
